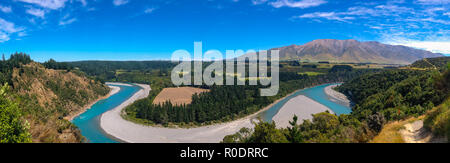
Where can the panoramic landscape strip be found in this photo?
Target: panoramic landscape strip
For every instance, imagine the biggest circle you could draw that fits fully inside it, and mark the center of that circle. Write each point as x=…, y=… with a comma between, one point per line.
x=224, y=79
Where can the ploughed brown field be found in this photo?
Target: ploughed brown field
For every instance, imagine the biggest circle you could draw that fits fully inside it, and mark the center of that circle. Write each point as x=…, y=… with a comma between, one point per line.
x=177, y=96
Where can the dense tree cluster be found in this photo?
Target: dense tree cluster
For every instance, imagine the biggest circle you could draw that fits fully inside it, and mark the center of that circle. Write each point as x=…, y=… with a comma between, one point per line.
x=395, y=98
x=12, y=127
x=14, y=61
x=106, y=70
x=369, y=84
x=309, y=66
x=337, y=68
x=220, y=103
x=324, y=128
x=52, y=64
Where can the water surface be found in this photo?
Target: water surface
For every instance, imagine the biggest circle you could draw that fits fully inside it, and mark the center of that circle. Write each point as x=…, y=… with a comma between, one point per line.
x=89, y=121
x=317, y=94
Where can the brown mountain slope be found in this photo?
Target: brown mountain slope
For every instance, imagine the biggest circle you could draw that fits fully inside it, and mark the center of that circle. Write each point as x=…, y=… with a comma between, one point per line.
x=353, y=51
x=47, y=96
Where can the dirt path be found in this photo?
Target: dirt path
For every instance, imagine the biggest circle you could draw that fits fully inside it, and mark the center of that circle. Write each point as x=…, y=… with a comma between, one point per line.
x=415, y=133
x=426, y=60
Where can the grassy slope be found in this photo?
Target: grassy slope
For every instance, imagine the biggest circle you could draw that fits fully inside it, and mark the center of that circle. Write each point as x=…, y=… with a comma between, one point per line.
x=437, y=120
x=391, y=131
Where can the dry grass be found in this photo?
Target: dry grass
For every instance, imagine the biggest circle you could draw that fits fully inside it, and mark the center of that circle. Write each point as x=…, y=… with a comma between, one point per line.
x=391, y=131
x=177, y=96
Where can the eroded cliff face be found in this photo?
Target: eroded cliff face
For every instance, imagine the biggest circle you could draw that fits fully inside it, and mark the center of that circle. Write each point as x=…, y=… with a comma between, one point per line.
x=47, y=97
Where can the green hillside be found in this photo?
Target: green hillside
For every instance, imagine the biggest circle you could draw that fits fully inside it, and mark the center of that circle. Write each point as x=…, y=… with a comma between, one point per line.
x=379, y=98
x=44, y=97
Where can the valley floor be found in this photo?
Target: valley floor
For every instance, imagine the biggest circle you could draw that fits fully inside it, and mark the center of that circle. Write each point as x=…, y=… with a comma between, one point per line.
x=115, y=125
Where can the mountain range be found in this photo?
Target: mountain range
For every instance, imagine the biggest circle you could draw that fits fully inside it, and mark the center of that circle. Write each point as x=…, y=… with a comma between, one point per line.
x=353, y=51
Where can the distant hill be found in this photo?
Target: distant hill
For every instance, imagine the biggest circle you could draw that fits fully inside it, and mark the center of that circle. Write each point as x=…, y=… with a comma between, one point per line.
x=353, y=51
x=439, y=62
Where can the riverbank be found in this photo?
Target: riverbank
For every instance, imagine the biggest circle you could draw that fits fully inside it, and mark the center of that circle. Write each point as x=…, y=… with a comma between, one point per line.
x=113, y=90
x=301, y=106
x=337, y=96
x=120, y=84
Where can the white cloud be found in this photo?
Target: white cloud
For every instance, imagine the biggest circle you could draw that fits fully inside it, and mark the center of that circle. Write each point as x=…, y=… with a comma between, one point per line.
x=362, y=12
x=433, y=46
x=83, y=2
x=447, y=13
x=358, y=10
x=22, y=34
x=376, y=27
x=433, y=20
x=120, y=2
x=5, y=9
x=297, y=4
x=258, y=2
x=434, y=41
x=67, y=21
x=396, y=1
x=149, y=10
x=7, y=29
x=36, y=12
x=433, y=2
x=393, y=9
x=326, y=15
x=49, y=4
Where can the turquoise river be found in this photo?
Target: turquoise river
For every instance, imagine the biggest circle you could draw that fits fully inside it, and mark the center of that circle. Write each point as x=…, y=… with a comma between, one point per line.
x=89, y=121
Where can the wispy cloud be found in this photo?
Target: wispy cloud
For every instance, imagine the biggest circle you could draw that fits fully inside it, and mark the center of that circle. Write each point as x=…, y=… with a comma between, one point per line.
x=120, y=2
x=67, y=21
x=433, y=46
x=326, y=15
x=49, y=4
x=83, y=2
x=422, y=26
x=36, y=12
x=297, y=4
x=7, y=29
x=433, y=2
x=435, y=41
x=5, y=9
x=258, y=2
x=149, y=10
x=361, y=12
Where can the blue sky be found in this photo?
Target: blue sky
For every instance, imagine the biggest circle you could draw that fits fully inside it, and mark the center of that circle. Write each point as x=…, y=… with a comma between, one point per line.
x=69, y=30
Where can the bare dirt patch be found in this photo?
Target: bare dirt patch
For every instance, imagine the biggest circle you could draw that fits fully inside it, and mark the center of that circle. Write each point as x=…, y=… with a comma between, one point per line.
x=177, y=96
x=415, y=133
